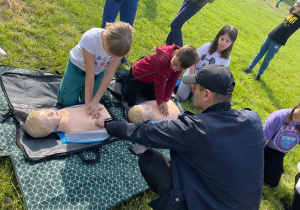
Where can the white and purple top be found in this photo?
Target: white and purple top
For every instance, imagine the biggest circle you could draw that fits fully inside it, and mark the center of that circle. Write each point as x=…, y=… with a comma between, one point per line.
x=282, y=137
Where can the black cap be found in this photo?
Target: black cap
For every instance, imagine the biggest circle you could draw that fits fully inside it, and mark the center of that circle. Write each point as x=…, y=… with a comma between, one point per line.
x=214, y=77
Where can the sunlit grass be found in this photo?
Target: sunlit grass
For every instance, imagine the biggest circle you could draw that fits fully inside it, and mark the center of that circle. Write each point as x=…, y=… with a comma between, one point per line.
x=39, y=34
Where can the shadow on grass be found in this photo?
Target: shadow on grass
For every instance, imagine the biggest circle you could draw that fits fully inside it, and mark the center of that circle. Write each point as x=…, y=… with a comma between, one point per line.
x=270, y=94
x=151, y=11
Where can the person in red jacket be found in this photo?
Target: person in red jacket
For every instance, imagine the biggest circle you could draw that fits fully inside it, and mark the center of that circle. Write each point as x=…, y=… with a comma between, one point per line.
x=155, y=76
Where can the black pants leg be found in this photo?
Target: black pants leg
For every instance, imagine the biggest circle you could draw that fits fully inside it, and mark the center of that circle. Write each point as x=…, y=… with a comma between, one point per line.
x=296, y=199
x=155, y=168
x=273, y=167
x=132, y=88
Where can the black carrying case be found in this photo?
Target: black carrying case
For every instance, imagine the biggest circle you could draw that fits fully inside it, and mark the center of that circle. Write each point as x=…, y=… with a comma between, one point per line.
x=25, y=93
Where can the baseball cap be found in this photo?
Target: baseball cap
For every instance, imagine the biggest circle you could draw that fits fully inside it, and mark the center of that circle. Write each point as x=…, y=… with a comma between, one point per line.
x=214, y=77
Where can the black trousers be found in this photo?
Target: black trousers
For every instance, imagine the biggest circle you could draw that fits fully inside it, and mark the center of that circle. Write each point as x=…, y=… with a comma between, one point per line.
x=155, y=168
x=273, y=167
x=296, y=199
x=133, y=87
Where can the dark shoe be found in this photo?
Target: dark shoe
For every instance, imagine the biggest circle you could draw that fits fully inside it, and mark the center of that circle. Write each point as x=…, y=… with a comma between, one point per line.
x=285, y=204
x=257, y=78
x=137, y=149
x=247, y=70
x=125, y=61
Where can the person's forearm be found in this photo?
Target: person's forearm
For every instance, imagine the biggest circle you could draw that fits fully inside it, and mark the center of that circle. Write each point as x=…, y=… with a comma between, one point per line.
x=89, y=67
x=155, y=135
x=121, y=130
x=89, y=87
x=108, y=75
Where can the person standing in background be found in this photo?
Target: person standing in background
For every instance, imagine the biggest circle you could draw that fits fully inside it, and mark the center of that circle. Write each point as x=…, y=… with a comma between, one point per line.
x=277, y=4
x=127, y=9
x=275, y=39
x=187, y=10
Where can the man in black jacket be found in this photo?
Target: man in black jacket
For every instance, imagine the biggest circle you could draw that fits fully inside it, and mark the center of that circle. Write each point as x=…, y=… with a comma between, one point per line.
x=216, y=156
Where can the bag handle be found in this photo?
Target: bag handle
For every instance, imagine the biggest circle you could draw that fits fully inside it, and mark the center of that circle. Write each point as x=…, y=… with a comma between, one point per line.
x=90, y=161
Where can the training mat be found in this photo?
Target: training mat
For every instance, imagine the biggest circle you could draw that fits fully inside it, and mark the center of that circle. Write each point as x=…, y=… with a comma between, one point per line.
x=66, y=182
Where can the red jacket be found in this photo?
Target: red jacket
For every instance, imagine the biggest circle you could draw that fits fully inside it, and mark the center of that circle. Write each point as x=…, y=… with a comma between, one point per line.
x=164, y=77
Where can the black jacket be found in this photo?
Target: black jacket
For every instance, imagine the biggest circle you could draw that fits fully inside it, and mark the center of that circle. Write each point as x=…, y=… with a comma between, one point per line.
x=216, y=157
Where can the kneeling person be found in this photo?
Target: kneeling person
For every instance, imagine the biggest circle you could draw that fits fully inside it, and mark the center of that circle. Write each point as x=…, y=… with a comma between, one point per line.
x=216, y=156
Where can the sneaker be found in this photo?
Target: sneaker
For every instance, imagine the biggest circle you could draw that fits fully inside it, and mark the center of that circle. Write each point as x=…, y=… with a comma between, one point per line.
x=247, y=70
x=2, y=52
x=125, y=61
x=257, y=78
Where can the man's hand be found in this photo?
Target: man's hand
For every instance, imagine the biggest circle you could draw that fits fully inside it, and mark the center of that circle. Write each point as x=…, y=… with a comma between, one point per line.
x=93, y=109
x=164, y=109
x=99, y=123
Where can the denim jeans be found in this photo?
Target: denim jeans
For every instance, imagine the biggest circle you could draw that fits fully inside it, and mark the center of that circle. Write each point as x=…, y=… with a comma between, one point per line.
x=127, y=9
x=187, y=10
x=269, y=47
x=277, y=5
x=72, y=85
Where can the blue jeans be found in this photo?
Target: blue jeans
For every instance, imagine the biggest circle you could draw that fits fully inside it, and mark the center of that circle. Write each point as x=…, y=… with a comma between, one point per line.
x=187, y=10
x=127, y=9
x=277, y=5
x=72, y=86
x=269, y=47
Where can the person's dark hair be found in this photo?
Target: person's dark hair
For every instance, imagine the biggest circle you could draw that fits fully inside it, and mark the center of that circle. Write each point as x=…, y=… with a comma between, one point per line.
x=289, y=118
x=232, y=33
x=187, y=56
x=219, y=98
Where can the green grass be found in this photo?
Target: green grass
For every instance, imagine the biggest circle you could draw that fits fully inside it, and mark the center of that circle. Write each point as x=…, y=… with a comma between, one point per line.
x=39, y=34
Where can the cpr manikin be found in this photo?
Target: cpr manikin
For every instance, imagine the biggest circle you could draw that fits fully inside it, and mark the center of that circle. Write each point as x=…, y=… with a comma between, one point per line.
x=149, y=111
x=41, y=123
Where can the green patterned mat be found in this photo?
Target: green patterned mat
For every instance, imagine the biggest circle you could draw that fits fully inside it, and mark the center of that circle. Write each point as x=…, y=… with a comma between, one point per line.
x=66, y=182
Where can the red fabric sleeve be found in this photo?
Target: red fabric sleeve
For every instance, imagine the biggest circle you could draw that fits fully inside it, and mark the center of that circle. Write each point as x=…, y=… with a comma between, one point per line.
x=171, y=85
x=162, y=66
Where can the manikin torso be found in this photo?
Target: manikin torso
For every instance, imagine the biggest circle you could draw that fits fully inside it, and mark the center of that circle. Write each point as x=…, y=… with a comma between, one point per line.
x=151, y=111
x=75, y=120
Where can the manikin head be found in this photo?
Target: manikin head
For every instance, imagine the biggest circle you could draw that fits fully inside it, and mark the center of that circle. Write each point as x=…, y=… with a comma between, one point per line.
x=140, y=113
x=42, y=123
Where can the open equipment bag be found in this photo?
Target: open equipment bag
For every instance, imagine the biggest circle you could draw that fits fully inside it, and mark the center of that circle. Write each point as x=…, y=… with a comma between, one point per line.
x=26, y=93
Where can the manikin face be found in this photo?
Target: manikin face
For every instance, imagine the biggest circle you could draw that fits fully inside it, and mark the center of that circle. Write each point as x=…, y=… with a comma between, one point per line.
x=147, y=111
x=50, y=119
x=175, y=64
x=223, y=43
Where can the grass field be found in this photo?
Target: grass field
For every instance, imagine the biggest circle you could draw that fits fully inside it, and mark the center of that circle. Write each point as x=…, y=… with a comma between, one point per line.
x=39, y=34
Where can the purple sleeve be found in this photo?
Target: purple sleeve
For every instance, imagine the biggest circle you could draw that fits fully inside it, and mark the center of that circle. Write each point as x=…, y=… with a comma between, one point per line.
x=272, y=124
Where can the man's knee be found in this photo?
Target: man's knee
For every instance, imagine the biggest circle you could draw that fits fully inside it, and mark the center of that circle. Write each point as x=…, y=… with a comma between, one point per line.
x=151, y=160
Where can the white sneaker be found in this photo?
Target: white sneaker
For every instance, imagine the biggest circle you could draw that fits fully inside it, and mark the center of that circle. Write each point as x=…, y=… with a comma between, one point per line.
x=2, y=52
